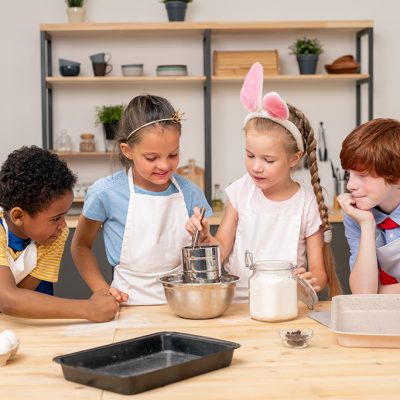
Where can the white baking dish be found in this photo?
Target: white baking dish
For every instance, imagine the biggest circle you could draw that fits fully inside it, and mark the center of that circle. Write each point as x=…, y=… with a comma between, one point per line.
x=368, y=320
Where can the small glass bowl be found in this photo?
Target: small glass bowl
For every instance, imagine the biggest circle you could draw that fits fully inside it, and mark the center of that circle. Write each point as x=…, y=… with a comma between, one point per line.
x=295, y=338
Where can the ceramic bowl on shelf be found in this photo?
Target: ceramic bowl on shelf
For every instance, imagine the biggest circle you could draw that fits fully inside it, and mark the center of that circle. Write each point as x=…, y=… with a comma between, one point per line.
x=132, y=69
x=331, y=69
x=69, y=70
x=63, y=61
x=171, y=70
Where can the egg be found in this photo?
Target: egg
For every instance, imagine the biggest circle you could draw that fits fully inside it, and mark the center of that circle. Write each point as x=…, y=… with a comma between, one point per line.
x=11, y=336
x=5, y=345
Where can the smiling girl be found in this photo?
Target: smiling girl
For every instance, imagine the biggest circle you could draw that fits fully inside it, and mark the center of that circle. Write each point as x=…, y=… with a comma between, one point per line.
x=142, y=208
x=268, y=212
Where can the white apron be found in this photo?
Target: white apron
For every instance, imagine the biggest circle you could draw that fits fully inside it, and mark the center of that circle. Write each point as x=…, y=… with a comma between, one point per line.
x=26, y=261
x=388, y=256
x=153, y=239
x=254, y=234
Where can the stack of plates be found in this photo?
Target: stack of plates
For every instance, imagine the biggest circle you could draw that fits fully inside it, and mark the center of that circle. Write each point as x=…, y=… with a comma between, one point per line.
x=343, y=65
x=171, y=70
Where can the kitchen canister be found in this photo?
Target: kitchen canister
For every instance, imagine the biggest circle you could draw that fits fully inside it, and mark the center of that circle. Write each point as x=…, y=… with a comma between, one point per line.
x=201, y=264
x=272, y=290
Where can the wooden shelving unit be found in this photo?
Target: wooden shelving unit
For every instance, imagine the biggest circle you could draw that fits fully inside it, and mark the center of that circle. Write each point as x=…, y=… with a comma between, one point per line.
x=206, y=31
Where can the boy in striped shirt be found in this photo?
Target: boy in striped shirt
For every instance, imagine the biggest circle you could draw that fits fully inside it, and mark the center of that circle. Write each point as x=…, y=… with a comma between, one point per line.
x=35, y=194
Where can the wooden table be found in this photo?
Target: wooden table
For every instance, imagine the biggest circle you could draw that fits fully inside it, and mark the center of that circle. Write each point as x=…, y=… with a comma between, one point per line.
x=262, y=368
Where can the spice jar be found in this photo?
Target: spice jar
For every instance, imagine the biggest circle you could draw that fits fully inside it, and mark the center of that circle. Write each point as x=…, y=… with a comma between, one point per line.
x=63, y=141
x=87, y=142
x=273, y=291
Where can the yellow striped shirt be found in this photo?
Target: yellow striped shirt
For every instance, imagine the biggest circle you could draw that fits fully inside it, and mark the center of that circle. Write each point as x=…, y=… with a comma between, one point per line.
x=48, y=256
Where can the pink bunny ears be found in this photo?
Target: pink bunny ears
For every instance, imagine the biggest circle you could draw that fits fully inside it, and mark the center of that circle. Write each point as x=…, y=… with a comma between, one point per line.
x=272, y=106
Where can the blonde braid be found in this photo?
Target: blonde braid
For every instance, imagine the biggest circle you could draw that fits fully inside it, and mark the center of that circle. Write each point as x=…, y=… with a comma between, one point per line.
x=304, y=126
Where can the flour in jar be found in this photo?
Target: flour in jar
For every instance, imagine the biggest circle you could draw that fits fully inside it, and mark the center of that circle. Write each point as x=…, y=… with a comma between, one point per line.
x=273, y=297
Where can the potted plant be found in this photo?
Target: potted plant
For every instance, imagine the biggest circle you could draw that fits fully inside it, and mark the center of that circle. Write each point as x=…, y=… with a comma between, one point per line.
x=307, y=51
x=176, y=9
x=109, y=116
x=75, y=11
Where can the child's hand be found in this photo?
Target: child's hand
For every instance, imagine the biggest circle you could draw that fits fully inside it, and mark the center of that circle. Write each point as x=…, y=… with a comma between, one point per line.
x=121, y=297
x=102, y=306
x=348, y=205
x=308, y=276
x=193, y=223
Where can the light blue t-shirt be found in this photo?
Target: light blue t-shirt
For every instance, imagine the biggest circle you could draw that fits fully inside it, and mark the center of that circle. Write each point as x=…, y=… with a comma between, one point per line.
x=108, y=198
x=353, y=231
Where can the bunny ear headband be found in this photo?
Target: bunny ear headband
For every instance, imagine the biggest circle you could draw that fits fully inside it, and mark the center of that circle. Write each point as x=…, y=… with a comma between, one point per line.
x=272, y=106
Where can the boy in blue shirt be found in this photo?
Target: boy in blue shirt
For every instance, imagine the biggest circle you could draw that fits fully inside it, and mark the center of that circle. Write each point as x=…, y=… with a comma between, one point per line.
x=371, y=155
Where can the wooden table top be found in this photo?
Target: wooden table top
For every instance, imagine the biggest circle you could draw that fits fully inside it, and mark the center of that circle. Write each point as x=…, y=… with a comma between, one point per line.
x=262, y=368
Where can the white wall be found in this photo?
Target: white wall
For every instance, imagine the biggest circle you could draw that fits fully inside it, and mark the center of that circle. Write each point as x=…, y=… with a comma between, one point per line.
x=74, y=109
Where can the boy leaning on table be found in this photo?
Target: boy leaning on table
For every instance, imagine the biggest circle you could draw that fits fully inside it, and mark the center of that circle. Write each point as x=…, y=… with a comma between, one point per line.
x=371, y=155
x=35, y=194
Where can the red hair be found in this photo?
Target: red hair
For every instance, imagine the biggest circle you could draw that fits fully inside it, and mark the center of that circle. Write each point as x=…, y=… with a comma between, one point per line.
x=374, y=147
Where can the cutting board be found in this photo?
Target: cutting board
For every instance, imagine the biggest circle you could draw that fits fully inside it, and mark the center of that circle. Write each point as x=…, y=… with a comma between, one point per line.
x=193, y=173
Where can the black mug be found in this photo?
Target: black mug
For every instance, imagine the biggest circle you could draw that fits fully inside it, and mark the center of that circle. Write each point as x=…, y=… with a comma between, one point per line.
x=101, y=69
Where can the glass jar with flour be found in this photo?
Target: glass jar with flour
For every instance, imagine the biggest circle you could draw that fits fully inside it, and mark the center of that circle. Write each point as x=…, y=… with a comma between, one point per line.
x=272, y=291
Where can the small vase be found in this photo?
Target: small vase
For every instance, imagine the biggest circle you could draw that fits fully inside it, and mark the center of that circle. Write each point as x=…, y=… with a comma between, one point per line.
x=176, y=10
x=76, y=15
x=109, y=135
x=307, y=63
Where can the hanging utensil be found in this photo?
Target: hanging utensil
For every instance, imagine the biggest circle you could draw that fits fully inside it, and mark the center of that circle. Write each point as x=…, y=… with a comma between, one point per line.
x=322, y=149
x=196, y=235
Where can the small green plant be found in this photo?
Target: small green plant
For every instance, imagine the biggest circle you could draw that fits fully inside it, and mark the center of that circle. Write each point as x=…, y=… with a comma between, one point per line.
x=75, y=3
x=167, y=1
x=109, y=114
x=306, y=46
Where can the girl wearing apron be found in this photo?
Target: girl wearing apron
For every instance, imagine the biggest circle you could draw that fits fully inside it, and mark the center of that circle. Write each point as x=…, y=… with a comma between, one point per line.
x=141, y=209
x=268, y=212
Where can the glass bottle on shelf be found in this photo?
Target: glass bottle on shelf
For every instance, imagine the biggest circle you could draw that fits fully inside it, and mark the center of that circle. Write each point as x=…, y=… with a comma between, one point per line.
x=217, y=203
x=63, y=141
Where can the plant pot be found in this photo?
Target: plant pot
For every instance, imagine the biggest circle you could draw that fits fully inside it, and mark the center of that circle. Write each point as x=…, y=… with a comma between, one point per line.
x=76, y=15
x=109, y=135
x=176, y=10
x=307, y=63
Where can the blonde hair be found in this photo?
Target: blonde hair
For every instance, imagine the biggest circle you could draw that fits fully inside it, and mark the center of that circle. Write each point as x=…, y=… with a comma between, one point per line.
x=310, y=145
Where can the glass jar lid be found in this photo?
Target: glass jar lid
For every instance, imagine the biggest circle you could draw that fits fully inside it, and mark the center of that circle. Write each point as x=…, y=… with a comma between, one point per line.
x=306, y=294
x=272, y=265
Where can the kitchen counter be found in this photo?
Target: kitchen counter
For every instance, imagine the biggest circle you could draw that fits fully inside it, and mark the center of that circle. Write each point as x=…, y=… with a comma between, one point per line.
x=335, y=216
x=262, y=368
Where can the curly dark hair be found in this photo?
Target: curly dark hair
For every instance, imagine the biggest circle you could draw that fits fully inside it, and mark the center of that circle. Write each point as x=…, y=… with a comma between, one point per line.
x=32, y=178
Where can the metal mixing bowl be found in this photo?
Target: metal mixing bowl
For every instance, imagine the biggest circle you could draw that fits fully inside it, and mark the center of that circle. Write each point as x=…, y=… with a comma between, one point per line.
x=199, y=300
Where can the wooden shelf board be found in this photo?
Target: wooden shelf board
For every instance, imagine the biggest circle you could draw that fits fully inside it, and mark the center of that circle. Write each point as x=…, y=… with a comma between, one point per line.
x=97, y=29
x=85, y=154
x=296, y=78
x=122, y=80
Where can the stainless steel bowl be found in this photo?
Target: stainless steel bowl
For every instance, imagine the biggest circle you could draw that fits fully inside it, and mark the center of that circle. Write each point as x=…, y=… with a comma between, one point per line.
x=199, y=300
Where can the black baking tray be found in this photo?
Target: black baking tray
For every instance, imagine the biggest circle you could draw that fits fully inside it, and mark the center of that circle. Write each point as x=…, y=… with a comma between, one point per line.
x=146, y=362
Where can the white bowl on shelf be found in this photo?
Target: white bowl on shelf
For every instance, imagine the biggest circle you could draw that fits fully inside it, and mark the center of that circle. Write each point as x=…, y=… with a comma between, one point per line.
x=171, y=70
x=132, y=69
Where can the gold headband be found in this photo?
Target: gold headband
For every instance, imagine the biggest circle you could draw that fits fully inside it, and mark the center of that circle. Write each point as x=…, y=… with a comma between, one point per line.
x=176, y=117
